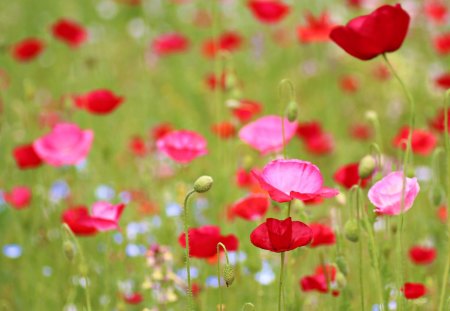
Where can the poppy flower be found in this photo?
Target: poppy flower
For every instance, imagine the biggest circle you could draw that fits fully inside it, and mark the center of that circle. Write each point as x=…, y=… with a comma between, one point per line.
x=214, y=82
x=246, y=110
x=360, y=131
x=442, y=43
x=99, y=101
x=347, y=176
x=27, y=49
x=137, y=146
x=224, y=129
x=423, y=142
x=66, y=144
x=438, y=122
x=307, y=130
x=203, y=241
x=414, y=290
x=69, y=32
x=26, y=157
x=268, y=11
x=436, y=11
x=281, y=235
x=318, y=280
x=133, y=299
x=266, y=134
x=443, y=81
x=160, y=130
x=349, y=84
x=322, y=144
x=322, y=235
x=170, y=43
x=251, y=207
x=19, y=197
x=381, y=72
x=228, y=41
x=422, y=255
x=386, y=194
x=245, y=179
x=368, y=36
x=104, y=217
x=442, y=214
x=317, y=29
x=182, y=146
x=285, y=180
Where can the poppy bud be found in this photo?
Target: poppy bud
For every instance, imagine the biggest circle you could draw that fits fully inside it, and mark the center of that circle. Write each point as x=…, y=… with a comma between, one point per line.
x=436, y=195
x=342, y=264
x=366, y=167
x=228, y=274
x=410, y=172
x=341, y=280
x=292, y=111
x=69, y=250
x=351, y=230
x=203, y=184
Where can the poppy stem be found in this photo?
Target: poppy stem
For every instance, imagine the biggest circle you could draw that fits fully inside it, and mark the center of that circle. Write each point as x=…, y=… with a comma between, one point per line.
x=280, y=288
x=219, y=245
x=359, y=218
x=291, y=99
x=186, y=234
x=447, y=151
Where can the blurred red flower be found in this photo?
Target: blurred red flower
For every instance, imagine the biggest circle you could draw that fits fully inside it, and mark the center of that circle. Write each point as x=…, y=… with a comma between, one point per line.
x=224, y=129
x=246, y=110
x=228, y=41
x=318, y=280
x=347, y=176
x=423, y=142
x=443, y=81
x=349, y=84
x=138, y=146
x=101, y=101
x=322, y=235
x=317, y=29
x=414, y=290
x=19, y=197
x=322, y=144
x=360, y=131
x=170, y=43
x=251, y=207
x=422, y=255
x=436, y=11
x=27, y=49
x=26, y=157
x=133, y=299
x=268, y=11
x=160, y=130
x=69, y=32
x=442, y=43
x=438, y=122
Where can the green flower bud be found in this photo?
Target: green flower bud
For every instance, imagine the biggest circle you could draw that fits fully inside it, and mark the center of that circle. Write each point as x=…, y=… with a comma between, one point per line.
x=366, y=166
x=436, y=195
x=341, y=280
x=410, y=172
x=69, y=250
x=203, y=184
x=342, y=264
x=351, y=230
x=292, y=111
x=228, y=274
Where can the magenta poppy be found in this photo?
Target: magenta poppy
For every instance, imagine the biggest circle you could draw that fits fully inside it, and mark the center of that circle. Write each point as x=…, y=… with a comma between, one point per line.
x=170, y=43
x=19, y=197
x=182, y=146
x=26, y=157
x=268, y=11
x=99, y=102
x=368, y=36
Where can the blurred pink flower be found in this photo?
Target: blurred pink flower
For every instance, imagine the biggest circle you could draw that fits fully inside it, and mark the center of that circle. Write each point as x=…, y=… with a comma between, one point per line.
x=19, y=197
x=66, y=144
x=182, y=146
x=265, y=134
x=386, y=194
x=293, y=179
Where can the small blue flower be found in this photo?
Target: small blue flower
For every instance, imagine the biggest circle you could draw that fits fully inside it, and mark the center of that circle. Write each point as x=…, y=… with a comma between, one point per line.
x=182, y=273
x=211, y=281
x=266, y=275
x=134, y=250
x=59, y=191
x=47, y=271
x=12, y=251
x=173, y=210
x=104, y=193
x=125, y=197
x=236, y=257
x=118, y=238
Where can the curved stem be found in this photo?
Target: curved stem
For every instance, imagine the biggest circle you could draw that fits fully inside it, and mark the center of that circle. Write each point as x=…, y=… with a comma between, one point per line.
x=219, y=245
x=186, y=235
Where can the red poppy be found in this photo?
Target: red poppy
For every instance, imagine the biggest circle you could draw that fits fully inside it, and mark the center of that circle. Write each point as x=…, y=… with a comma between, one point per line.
x=228, y=41
x=203, y=241
x=423, y=142
x=442, y=214
x=349, y=84
x=224, y=129
x=322, y=235
x=281, y=235
x=438, y=123
x=19, y=197
x=309, y=130
x=268, y=11
x=436, y=11
x=196, y=289
x=368, y=36
x=414, y=290
x=320, y=145
x=246, y=110
x=170, y=43
x=99, y=101
x=28, y=49
x=347, y=176
x=422, y=255
x=214, y=82
x=245, y=179
x=26, y=157
x=137, y=146
x=133, y=299
x=160, y=130
x=443, y=81
x=70, y=32
x=442, y=43
x=317, y=29
x=381, y=72
x=318, y=280
x=313, y=201
x=252, y=207
x=360, y=131
x=72, y=216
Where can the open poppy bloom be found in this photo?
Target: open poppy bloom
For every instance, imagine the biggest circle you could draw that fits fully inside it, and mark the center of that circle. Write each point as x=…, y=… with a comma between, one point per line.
x=318, y=280
x=317, y=29
x=436, y=11
x=281, y=235
x=246, y=110
x=182, y=146
x=104, y=217
x=368, y=36
x=18, y=197
x=414, y=290
x=442, y=43
x=26, y=157
x=268, y=11
x=66, y=144
x=438, y=122
x=203, y=241
x=99, y=102
x=285, y=180
x=228, y=41
x=423, y=142
x=347, y=176
x=252, y=207
x=70, y=32
x=386, y=194
x=27, y=49
x=422, y=255
x=133, y=299
x=170, y=43
x=266, y=133
x=322, y=235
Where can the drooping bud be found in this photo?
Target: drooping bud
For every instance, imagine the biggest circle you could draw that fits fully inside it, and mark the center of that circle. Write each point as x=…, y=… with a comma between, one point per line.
x=228, y=274
x=203, y=184
x=366, y=166
x=351, y=230
x=292, y=111
x=69, y=250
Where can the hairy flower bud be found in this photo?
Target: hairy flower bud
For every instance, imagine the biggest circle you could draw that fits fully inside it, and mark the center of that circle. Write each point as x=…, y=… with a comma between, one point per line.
x=351, y=230
x=366, y=166
x=228, y=274
x=203, y=184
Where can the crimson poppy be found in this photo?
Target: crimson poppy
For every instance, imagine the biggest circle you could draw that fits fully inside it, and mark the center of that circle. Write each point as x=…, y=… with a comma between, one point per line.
x=228, y=41
x=268, y=11
x=436, y=11
x=382, y=31
x=422, y=255
x=443, y=81
x=414, y=290
x=251, y=207
x=101, y=101
x=69, y=32
x=318, y=280
x=423, y=142
x=170, y=43
x=246, y=110
x=137, y=146
x=317, y=29
x=27, y=49
x=322, y=235
x=348, y=176
x=442, y=43
x=360, y=131
x=26, y=157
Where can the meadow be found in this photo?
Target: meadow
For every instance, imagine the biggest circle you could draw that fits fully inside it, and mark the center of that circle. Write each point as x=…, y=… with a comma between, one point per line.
x=306, y=156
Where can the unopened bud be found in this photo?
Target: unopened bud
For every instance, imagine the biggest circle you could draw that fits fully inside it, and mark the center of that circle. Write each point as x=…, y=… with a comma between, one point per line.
x=69, y=250
x=366, y=166
x=342, y=264
x=341, y=280
x=292, y=111
x=410, y=172
x=228, y=274
x=436, y=195
x=203, y=184
x=351, y=230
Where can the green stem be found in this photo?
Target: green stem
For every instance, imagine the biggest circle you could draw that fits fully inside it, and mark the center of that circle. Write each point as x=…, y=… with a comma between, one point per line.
x=280, y=287
x=358, y=217
x=218, y=270
x=283, y=117
x=188, y=262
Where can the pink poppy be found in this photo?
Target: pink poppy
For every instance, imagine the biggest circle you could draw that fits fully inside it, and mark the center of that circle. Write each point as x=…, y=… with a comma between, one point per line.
x=66, y=144
x=386, y=194
x=265, y=134
x=170, y=43
x=268, y=11
x=182, y=146
x=18, y=197
x=293, y=179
